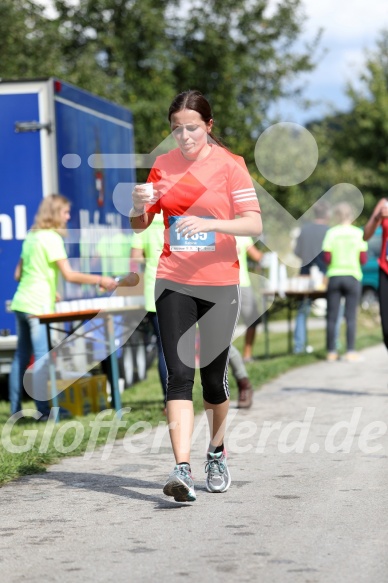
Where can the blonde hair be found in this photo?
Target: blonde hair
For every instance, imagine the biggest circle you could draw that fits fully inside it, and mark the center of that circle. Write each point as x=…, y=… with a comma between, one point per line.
x=343, y=213
x=48, y=214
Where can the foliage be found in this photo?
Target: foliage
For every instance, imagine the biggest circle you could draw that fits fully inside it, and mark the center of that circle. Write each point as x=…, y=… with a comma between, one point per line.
x=244, y=60
x=28, y=43
x=140, y=53
x=354, y=145
x=243, y=56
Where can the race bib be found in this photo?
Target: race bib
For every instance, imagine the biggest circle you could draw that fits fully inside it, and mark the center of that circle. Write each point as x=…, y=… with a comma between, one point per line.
x=198, y=242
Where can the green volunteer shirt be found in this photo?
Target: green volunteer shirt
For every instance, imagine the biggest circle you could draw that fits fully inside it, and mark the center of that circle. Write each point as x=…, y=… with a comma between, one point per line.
x=114, y=251
x=242, y=245
x=345, y=243
x=35, y=293
x=150, y=242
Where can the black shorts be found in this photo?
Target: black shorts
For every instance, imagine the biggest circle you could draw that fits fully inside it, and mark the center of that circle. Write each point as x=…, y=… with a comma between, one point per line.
x=216, y=310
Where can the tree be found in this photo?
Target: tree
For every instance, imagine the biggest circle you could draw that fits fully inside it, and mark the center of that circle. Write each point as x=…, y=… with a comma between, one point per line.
x=354, y=145
x=121, y=50
x=28, y=41
x=244, y=59
x=140, y=53
x=241, y=58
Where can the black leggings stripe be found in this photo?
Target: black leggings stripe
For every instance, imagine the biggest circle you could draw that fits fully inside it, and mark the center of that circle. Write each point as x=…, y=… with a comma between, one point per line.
x=226, y=380
x=179, y=309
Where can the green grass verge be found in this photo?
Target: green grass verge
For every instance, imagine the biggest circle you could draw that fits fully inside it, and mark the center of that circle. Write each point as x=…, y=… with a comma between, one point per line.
x=146, y=405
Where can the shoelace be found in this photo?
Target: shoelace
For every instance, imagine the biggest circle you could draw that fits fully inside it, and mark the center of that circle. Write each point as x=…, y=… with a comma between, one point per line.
x=214, y=466
x=184, y=471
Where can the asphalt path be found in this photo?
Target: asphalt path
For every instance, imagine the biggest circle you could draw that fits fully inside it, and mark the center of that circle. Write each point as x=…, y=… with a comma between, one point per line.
x=308, y=500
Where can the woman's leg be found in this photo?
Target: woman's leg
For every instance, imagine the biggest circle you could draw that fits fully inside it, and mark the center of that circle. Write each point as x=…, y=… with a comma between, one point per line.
x=162, y=369
x=237, y=364
x=40, y=370
x=333, y=303
x=216, y=416
x=218, y=318
x=180, y=416
x=383, y=300
x=300, y=326
x=352, y=291
x=177, y=316
x=20, y=362
x=217, y=324
x=251, y=317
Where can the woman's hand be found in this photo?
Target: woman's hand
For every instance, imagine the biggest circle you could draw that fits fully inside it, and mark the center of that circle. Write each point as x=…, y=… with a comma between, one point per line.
x=108, y=283
x=190, y=226
x=384, y=211
x=247, y=224
x=140, y=197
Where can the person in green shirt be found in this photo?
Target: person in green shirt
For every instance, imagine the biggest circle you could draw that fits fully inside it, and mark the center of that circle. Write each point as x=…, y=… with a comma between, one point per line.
x=344, y=252
x=42, y=259
x=249, y=310
x=114, y=248
x=148, y=246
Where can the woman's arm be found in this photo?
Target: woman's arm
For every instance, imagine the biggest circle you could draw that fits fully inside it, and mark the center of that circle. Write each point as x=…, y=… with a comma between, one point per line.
x=327, y=257
x=138, y=217
x=254, y=254
x=18, y=270
x=137, y=257
x=140, y=220
x=89, y=278
x=380, y=212
x=248, y=224
x=137, y=254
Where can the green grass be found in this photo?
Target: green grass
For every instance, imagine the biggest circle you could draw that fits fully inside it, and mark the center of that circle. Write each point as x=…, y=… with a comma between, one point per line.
x=146, y=403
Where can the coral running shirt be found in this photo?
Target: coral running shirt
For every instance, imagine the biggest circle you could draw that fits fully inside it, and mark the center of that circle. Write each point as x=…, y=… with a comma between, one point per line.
x=218, y=186
x=383, y=259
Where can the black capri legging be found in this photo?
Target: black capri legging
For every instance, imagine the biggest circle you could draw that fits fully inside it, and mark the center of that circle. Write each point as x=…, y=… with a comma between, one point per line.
x=216, y=309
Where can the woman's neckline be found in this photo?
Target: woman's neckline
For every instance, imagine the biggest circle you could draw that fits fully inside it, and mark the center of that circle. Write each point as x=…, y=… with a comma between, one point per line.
x=212, y=149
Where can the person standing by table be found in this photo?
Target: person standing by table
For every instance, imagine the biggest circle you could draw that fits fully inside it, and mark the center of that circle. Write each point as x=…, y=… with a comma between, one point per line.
x=42, y=259
x=309, y=244
x=344, y=252
x=379, y=218
x=249, y=310
x=207, y=198
x=148, y=245
x=240, y=373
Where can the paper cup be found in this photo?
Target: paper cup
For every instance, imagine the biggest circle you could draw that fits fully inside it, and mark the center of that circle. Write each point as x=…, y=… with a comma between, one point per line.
x=149, y=188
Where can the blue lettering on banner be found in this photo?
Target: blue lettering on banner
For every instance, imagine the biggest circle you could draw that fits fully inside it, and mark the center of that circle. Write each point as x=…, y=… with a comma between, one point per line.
x=197, y=242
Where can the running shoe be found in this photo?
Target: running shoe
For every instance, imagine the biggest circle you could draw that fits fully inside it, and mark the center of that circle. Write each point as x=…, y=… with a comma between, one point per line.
x=352, y=357
x=180, y=484
x=218, y=476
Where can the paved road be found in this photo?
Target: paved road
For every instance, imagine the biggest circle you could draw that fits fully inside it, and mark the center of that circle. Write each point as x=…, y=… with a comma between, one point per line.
x=282, y=325
x=308, y=502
